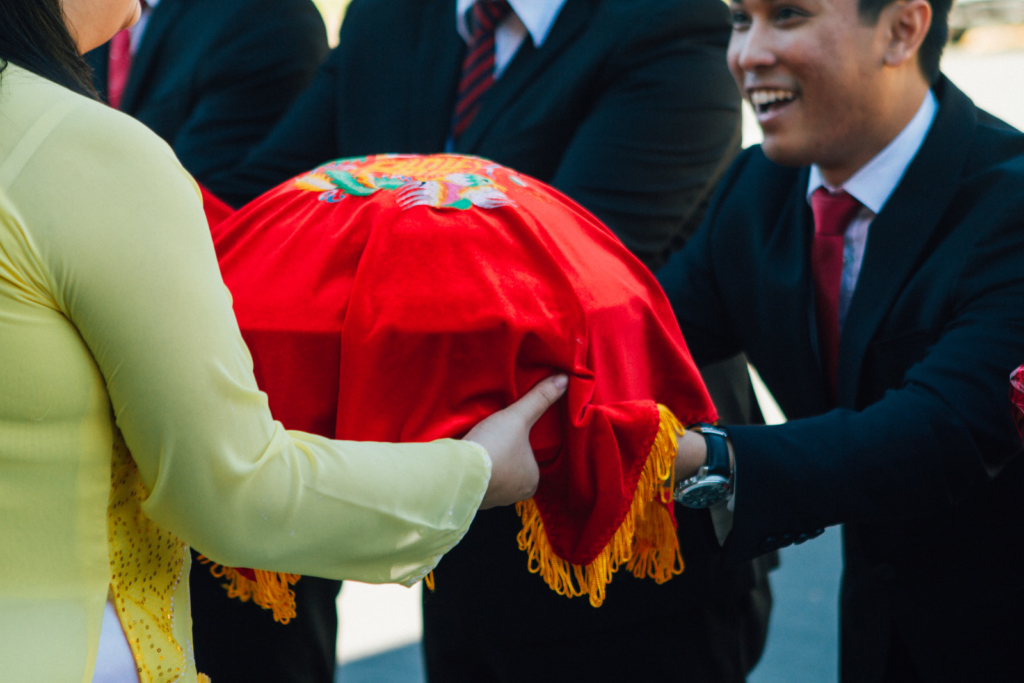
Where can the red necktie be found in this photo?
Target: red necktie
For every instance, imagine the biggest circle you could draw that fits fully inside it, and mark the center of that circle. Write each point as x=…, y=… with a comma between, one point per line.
x=832, y=215
x=118, y=67
x=478, y=66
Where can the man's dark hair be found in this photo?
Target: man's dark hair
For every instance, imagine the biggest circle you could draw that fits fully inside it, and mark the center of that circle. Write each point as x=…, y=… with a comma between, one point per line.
x=930, y=53
x=35, y=36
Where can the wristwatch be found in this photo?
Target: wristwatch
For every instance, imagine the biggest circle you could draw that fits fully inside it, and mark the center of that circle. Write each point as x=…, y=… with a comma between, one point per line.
x=713, y=481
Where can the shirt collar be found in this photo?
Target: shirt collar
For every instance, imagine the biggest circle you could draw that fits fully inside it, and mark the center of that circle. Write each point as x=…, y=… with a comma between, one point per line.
x=538, y=16
x=876, y=180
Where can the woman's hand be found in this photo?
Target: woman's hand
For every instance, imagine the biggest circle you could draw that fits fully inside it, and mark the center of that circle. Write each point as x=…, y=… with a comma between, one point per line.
x=506, y=436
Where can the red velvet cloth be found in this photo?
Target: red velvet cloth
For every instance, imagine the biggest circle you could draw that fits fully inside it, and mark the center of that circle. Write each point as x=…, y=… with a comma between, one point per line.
x=216, y=210
x=404, y=298
x=1017, y=399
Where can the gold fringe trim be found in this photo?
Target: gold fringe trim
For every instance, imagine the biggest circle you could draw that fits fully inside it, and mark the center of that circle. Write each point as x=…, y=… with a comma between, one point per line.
x=645, y=542
x=270, y=590
x=202, y=678
x=428, y=581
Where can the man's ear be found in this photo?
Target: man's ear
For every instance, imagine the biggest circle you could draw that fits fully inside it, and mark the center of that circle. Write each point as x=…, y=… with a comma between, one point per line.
x=907, y=22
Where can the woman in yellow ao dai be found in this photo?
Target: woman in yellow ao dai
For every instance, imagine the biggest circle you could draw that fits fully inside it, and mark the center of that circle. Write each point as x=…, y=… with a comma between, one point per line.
x=130, y=420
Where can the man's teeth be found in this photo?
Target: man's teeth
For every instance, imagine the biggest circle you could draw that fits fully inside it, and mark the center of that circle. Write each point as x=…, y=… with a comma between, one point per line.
x=763, y=98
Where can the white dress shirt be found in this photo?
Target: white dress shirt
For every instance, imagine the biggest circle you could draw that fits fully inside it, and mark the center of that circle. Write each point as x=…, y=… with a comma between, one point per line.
x=139, y=28
x=872, y=186
x=533, y=17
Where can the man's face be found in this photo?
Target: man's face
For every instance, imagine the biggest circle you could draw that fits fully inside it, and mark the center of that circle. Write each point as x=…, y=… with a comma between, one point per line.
x=813, y=71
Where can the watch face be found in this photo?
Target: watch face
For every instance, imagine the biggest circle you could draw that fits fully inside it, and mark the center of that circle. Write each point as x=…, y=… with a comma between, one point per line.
x=704, y=493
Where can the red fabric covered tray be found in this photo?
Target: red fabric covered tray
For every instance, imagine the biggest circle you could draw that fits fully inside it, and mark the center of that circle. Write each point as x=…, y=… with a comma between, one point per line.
x=405, y=298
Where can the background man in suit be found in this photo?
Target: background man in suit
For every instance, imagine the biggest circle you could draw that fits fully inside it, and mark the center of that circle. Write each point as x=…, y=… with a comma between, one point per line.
x=869, y=258
x=628, y=108
x=212, y=77
x=622, y=105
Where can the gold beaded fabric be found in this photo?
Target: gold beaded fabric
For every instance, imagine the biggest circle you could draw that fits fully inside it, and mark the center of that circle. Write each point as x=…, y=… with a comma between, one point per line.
x=147, y=570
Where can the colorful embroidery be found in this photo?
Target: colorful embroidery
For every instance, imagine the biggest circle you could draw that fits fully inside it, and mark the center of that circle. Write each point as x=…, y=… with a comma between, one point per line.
x=442, y=181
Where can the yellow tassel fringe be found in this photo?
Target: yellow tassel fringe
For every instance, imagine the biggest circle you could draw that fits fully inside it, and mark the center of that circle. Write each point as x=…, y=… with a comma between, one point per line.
x=645, y=542
x=271, y=590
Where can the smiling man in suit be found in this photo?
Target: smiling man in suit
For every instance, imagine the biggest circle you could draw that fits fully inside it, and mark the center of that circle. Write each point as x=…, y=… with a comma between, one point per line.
x=211, y=77
x=869, y=258
x=627, y=107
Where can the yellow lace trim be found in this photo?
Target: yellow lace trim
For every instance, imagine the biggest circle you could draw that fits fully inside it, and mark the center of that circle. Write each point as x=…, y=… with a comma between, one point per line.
x=147, y=565
x=645, y=542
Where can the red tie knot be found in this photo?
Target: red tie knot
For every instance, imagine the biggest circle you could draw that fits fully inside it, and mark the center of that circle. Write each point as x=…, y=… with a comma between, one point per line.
x=486, y=14
x=833, y=212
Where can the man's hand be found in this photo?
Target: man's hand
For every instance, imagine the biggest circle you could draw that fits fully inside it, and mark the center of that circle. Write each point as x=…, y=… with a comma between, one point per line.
x=506, y=437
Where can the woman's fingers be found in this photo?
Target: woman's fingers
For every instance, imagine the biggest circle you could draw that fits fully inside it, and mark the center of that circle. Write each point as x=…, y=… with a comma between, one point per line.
x=506, y=437
x=537, y=400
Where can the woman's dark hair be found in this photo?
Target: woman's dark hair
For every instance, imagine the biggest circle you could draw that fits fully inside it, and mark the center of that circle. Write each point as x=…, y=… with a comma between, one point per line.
x=930, y=52
x=35, y=36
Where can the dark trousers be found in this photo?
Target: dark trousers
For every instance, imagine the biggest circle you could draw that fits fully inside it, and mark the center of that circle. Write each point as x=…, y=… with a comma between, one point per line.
x=899, y=667
x=713, y=642
x=239, y=641
x=490, y=621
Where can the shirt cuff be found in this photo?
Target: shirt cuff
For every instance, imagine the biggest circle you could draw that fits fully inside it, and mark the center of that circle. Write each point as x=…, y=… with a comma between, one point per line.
x=721, y=514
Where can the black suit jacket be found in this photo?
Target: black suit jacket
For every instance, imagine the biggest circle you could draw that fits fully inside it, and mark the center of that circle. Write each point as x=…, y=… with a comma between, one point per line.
x=627, y=107
x=933, y=541
x=212, y=77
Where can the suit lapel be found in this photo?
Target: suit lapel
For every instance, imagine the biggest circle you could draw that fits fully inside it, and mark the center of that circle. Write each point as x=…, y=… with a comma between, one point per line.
x=524, y=67
x=791, y=300
x=160, y=22
x=437, y=65
x=899, y=234
x=99, y=62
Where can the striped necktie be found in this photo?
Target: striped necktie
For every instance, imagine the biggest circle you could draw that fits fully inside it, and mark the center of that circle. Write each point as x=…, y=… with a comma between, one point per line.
x=478, y=66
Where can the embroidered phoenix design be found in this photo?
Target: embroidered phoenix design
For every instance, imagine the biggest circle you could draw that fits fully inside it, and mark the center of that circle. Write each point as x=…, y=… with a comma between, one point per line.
x=443, y=181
